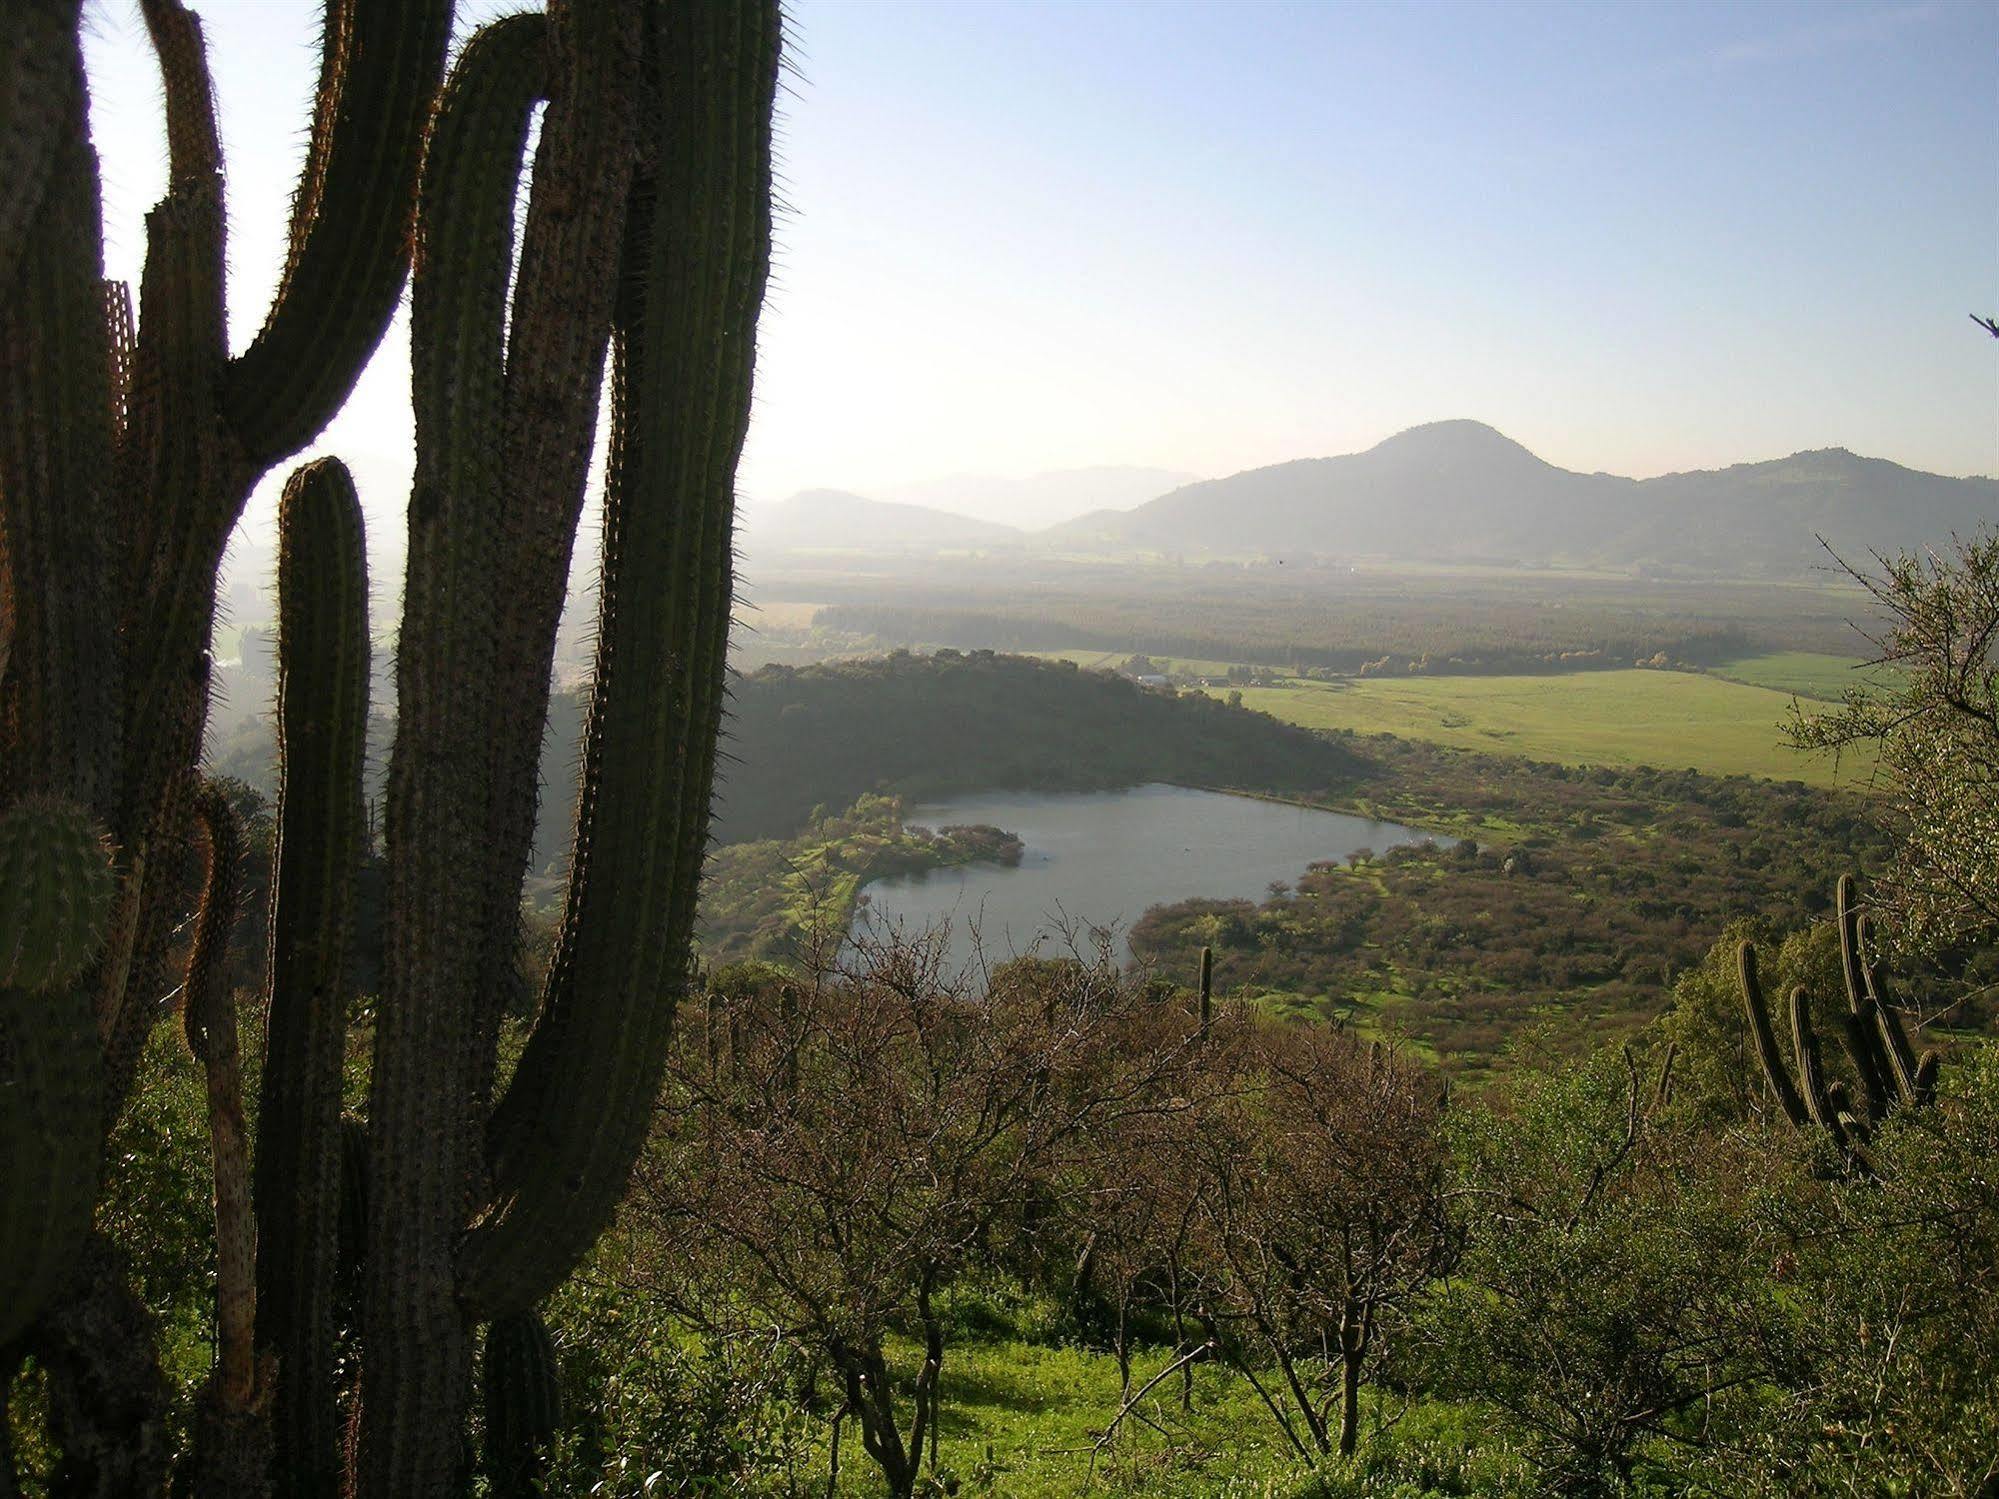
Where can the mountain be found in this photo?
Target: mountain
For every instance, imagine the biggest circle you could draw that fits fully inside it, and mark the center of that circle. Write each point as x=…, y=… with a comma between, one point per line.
x=1459, y=491
x=1044, y=499
x=834, y=520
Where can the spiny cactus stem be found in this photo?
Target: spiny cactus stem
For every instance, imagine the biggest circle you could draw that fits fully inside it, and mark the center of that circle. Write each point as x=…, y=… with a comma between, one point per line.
x=564, y=1137
x=1897, y=1056
x=423, y=1119
x=194, y=145
x=59, y=689
x=1767, y=1053
x=1811, y=1072
x=1870, y=1057
x=558, y=334
x=322, y=715
x=380, y=68
x=1207, y=990
x=211, y=1034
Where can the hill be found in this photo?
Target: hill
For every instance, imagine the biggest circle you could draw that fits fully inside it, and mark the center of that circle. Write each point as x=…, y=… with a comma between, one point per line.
x=1041, y=500
x=834, y=520
x=820, y=736
x=1460, y=492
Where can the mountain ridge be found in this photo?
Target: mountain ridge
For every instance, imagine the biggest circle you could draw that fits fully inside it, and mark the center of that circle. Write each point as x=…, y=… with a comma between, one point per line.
x=1459, y=492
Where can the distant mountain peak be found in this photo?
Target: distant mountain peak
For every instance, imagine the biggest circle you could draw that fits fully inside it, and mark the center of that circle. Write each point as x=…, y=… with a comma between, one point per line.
x=1459, y=439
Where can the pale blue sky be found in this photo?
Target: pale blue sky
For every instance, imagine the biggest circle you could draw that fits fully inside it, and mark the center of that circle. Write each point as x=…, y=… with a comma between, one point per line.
x=1208, y=236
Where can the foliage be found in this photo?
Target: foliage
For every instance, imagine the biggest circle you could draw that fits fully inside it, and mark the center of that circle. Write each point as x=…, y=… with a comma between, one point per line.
x=1613, y=1287
x=1935, y=725
x=1578, y=893
x=1657, y=1301
x=930, y=725
x=834, y=1154
x=774, y=897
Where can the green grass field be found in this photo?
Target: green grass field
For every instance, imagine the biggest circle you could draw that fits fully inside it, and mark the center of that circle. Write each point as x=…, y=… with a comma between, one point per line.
x=1802, y=672
x=1022, y=1419
x=1671, y=720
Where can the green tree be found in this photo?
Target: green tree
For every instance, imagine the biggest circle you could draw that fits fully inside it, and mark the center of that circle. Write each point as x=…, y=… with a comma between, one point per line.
x=1935, y=721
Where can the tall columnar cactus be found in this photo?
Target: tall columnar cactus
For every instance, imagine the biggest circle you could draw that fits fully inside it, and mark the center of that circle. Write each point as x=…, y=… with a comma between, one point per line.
x=648, y=229
x=125, y=457
x=537, y=1180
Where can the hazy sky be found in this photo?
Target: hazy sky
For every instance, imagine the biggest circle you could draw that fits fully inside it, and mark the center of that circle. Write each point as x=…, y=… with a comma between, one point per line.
x=1209, y=236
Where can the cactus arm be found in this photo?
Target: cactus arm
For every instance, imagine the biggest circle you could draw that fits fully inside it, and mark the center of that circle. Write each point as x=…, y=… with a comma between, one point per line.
x=1766, y=1040
x=1207, y=990
x=1811, y=1066
x=194, y=144
x=210, y=1021
x=1926, y=1078
x=1893, y=1041
x=1860, y=1051
x=38, y=89
x=554, y=378
x=423, y=1131
x=564, y=1137
x=59, y=690
x=176, y=503
x=350, y=223
x=1870, y=1057
x=322, y=716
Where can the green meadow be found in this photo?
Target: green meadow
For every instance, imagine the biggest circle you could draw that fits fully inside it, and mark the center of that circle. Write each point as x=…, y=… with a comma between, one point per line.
x=1667, y=719
x=1803, y=673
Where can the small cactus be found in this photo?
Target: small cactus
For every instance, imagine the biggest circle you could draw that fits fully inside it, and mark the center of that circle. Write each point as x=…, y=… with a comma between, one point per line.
x=56, y=892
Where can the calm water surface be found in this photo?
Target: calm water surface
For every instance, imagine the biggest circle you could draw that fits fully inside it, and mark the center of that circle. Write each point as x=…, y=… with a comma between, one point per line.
x=1100, y=858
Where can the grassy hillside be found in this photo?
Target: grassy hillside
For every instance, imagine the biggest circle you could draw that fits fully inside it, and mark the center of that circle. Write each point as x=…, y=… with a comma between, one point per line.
x=1671, y=720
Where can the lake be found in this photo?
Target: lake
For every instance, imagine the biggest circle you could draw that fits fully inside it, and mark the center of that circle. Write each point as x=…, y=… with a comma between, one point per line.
x=1100, y=858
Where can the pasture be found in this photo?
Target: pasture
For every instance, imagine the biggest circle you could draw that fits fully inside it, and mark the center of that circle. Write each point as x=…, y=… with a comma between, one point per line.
x=1665, y=719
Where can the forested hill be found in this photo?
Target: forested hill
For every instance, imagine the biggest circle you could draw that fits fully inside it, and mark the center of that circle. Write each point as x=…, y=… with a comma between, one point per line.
x=1460, y=492
x=932, y=725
